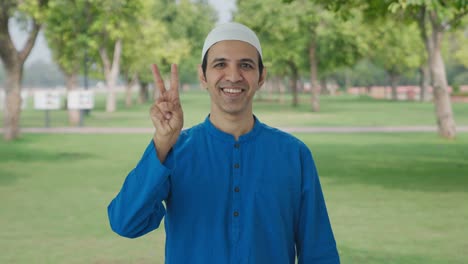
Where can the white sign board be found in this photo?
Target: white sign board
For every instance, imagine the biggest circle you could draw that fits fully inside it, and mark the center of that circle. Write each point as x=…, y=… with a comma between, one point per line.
x=80, y=99
x=47, y=100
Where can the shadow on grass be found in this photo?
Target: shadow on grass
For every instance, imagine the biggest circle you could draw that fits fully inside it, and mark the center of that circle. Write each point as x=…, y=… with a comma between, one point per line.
x=37, y=155
x=18, y=154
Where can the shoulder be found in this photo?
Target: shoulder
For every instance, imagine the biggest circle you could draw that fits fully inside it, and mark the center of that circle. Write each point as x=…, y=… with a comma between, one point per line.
x=281, y=136
x=284, y=140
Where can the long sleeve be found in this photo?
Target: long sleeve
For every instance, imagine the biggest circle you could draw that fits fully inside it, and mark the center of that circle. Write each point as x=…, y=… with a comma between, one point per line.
x=138, y=208
x=315, y=241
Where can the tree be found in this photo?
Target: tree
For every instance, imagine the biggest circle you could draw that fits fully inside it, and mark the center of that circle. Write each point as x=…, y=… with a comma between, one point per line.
x=284, y=44
x=31, y=14
x=113, y=21
x=149, y=42
x=434, y=18
x=191, y=21
x=301, y=33
x=395, y=47
x=442, y=16
x=66, y=30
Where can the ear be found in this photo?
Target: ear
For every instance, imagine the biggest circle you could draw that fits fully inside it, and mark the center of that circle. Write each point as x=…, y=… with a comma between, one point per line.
x=262, y=79
x=201, y=77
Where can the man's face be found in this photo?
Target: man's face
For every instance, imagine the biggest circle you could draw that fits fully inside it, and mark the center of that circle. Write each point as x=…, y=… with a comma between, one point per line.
x=232, y=77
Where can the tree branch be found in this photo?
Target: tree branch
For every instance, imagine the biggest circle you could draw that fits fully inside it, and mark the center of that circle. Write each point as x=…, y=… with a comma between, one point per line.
x=105, y=60
x=457, y=17
x=116, y=58
x=7, y=48
x=23, y=54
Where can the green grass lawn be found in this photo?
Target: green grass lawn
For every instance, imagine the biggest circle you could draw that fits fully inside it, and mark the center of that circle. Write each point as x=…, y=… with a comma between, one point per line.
x=335, y=111
x=392, y=198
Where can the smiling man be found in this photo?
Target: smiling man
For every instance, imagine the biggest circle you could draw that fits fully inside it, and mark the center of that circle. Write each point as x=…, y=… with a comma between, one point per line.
x=234, y=189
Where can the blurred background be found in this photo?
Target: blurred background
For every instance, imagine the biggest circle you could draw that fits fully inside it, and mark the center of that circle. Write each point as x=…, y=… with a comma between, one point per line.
x=378, y=90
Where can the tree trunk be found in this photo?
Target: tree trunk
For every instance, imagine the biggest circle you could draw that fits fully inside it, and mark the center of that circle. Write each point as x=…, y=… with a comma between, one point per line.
x=13, y=61
x=12, y=111
x=443, y=106
x=347, y=81
x=293, y=83
x=394, y=84
x=71, y=82
x=424, y=82
x=275, y=87
x=111, y=72
x=315, y=89
x=128, y=90
x=425, y=71
x=323, y=86
x=144, y=93
x=282, y=90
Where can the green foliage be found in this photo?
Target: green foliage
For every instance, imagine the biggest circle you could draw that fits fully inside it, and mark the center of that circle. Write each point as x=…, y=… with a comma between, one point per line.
x=396, y=46
x=284, y=42
x=448, y=13
x=457, y=45
x=31, y=9
x=167, y=32
x=77, y=29
x=341, y=42
x=287, y=29
x=67, y=33
x=149, y=42
x=189, y=21
x=366, y=74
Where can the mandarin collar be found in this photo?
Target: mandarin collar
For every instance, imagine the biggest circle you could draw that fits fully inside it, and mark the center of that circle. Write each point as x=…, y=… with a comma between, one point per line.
x=214, y=131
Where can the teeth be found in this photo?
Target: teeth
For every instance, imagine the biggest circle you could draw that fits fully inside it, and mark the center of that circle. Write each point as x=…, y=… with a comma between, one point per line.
x=229, y=90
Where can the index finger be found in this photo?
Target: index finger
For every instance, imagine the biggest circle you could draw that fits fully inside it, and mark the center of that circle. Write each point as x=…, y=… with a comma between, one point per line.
x=158, y=81
x=174, y=79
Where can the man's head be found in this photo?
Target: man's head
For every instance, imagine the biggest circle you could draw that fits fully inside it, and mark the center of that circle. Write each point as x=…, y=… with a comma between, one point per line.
x=232, y=69
x=231, y=31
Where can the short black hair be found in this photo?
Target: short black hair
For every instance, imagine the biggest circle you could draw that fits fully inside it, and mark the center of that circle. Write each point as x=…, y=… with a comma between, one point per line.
x=205, y=63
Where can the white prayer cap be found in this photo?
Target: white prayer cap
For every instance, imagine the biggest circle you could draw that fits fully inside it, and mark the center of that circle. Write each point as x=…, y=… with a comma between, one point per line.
x=231, y=31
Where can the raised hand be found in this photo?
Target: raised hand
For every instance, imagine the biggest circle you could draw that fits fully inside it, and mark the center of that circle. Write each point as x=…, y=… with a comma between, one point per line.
x=166, y=113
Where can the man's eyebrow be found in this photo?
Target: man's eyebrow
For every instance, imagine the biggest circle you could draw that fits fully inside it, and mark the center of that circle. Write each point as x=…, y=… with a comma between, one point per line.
x=218, y=60
x=221, y=59
x=248, y=60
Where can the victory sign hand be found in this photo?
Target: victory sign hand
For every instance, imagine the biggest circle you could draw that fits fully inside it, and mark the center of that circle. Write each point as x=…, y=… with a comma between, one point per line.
x=166, y=113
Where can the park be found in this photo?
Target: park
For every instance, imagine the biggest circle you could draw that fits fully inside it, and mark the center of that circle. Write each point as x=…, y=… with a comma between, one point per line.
x=393, y=163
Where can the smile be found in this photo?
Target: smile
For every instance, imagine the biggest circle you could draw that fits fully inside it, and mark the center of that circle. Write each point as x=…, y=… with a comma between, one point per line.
x=232, y=90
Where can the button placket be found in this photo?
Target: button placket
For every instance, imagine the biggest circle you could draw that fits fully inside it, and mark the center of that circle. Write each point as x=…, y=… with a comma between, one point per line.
x=236, y=210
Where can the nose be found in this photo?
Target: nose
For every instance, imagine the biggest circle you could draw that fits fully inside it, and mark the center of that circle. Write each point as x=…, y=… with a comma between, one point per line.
x=233, y=74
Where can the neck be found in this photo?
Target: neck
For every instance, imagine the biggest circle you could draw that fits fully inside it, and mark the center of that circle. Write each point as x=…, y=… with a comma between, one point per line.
x=234, y=125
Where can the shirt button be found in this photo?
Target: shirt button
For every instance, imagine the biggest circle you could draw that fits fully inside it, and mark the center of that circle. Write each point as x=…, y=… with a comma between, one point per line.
x=236, y=214
x=237, y=145
x=236, y=165
x=236, y=189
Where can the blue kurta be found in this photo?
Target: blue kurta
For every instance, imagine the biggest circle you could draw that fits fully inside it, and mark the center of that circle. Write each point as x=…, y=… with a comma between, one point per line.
x=254, y=200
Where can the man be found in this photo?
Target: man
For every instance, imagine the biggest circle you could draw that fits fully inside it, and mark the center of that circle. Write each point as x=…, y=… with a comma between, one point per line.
x=235, y=189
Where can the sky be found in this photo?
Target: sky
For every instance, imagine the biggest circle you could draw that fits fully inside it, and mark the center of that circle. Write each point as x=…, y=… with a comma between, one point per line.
x=41, y=52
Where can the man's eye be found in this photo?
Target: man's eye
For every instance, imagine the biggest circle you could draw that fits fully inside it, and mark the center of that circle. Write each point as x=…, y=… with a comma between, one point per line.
x=246, y=66
x=220, y=65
